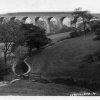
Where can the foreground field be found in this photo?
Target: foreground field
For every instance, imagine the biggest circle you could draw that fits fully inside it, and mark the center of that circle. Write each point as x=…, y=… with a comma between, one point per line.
x=64, y=59
x=60, y=61
x=29, y=88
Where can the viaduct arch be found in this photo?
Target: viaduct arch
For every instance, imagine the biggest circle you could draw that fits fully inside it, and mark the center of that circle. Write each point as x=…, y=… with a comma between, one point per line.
x=42, y=19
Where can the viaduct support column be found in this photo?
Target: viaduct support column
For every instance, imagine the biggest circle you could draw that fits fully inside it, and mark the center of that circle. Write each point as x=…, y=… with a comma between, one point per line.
x=47, y=26
x=59, y=23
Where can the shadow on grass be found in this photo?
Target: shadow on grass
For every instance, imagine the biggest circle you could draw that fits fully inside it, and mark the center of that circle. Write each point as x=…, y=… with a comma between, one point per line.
x=93, y=86
x=97, y=38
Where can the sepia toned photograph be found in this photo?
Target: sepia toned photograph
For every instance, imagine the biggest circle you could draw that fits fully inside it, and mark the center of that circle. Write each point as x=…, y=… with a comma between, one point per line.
x=49, y=48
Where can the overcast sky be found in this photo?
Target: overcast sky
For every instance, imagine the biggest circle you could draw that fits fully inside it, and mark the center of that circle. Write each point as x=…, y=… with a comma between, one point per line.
x=7, y=6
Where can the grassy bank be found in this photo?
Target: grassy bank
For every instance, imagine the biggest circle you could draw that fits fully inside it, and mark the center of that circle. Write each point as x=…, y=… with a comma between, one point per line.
x=64, y=60
x=63, y=66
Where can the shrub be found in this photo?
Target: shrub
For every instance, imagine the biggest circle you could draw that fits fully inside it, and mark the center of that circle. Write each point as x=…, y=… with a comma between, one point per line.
x=88, y=58
x=35, y=37
x=4, y=70
x=37, y=41
x=97, y=31
x=74, y=34
x=32, y=37
x=65, y=29
x=95, y=25
x=97, y=54
x=97, y=38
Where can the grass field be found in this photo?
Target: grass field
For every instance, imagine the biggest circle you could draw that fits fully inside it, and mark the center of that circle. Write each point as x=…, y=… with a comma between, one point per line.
x=65, y=59
x=29, y=88
x=62, y=60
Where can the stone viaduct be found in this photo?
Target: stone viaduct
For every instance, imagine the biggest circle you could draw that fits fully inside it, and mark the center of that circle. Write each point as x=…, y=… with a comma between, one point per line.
x=45, y=17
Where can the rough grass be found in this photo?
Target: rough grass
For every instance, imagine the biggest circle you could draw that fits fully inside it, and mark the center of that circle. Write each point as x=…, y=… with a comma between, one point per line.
x=65, y=59
x=60, y=61
x=29, y=88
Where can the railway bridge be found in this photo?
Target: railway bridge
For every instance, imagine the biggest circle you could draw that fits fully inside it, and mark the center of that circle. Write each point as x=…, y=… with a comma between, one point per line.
x=42, y=19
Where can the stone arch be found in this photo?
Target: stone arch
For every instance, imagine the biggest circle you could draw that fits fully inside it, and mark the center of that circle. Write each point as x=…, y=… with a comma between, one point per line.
x=12, y=18
x=53, y=19
x=66, y=21
x=39, y=21
x=53, y=24
x=36, y=19
x=62, y=18
x=26, y=20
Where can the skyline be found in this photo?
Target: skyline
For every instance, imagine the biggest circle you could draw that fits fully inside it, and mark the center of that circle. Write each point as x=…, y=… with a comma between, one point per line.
x=12, y=6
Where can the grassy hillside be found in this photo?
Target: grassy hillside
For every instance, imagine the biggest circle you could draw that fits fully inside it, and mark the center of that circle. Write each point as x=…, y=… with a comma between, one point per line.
x=65, y=59
x=62, y=60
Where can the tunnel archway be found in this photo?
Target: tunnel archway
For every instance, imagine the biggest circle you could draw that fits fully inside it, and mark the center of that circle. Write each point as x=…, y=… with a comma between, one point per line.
x=26, y=20
x=53, y=24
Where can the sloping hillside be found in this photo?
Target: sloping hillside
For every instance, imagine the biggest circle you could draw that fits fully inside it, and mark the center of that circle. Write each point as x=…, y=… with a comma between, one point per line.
x=64, y=59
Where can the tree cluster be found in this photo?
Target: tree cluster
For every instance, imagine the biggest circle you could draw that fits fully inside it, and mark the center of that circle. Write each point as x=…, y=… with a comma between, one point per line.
x=86, y=16
x=15, y=33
